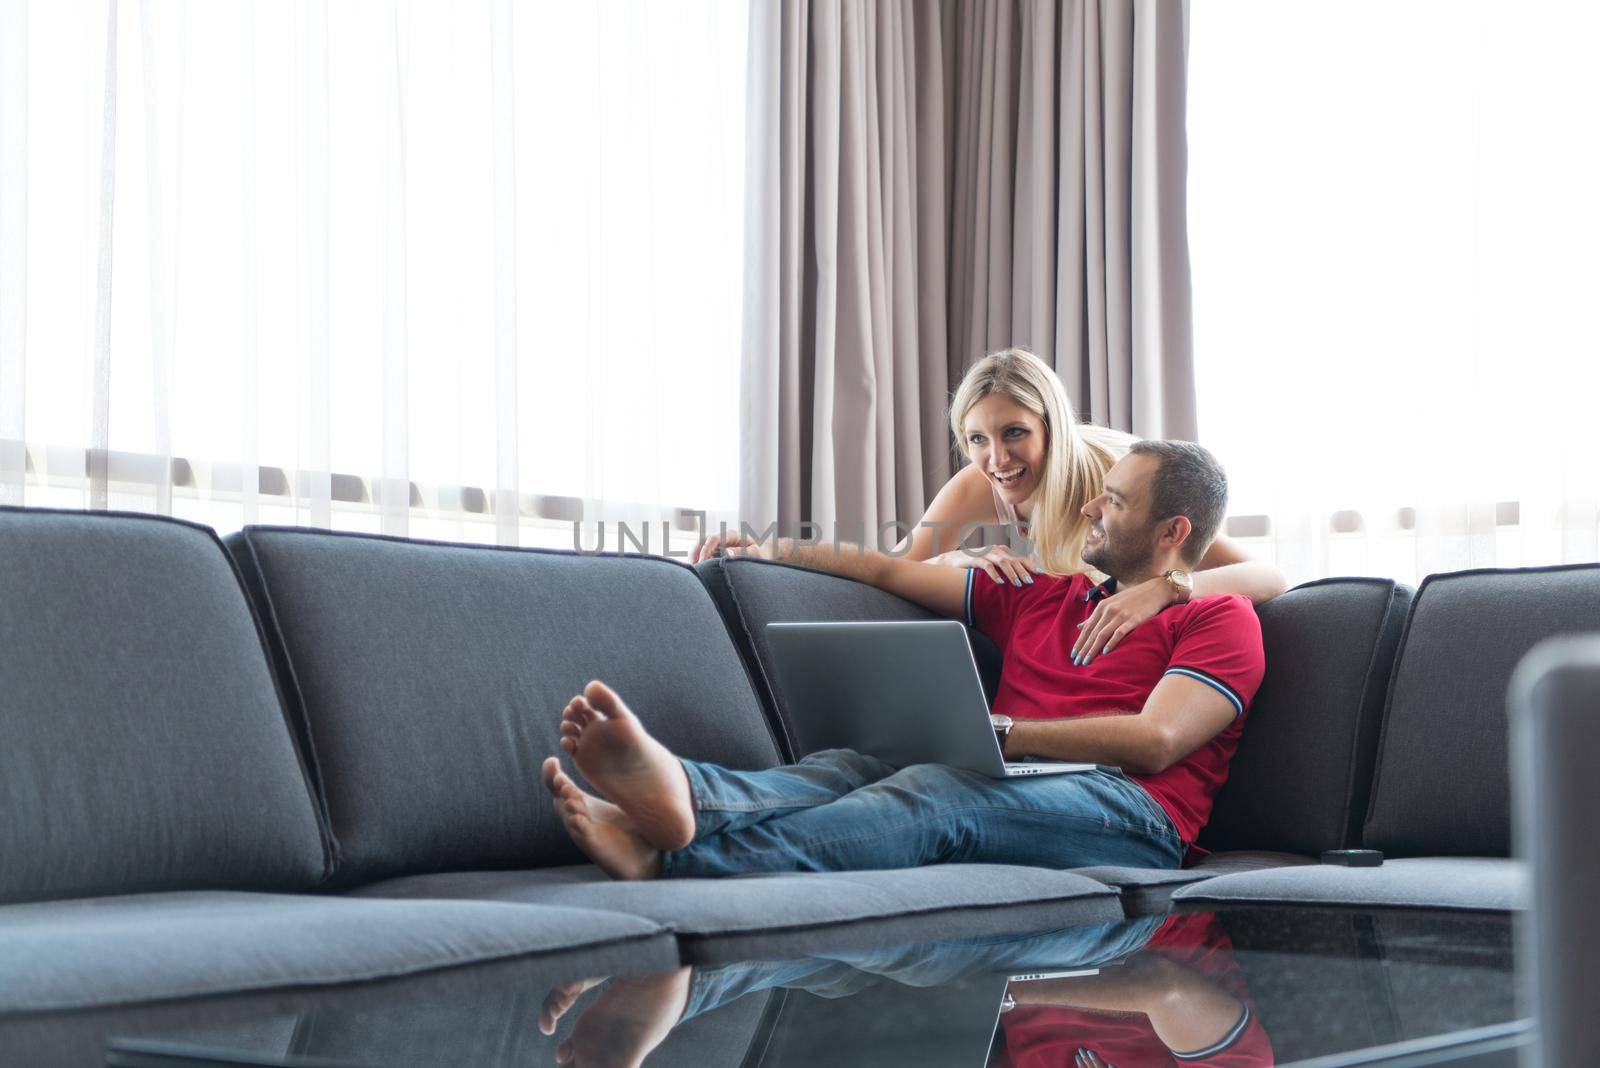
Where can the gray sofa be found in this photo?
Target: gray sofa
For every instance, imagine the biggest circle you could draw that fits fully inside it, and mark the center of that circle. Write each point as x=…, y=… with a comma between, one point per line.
x=300, y=762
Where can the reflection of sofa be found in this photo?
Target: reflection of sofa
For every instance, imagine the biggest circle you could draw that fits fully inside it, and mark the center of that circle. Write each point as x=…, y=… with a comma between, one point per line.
x=308, y=759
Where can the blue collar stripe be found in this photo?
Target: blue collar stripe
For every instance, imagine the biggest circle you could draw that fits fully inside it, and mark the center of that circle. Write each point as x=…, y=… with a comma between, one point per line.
x=966, y=601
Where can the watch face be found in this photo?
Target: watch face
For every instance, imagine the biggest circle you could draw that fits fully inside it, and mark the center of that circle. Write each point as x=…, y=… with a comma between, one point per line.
x=1180, y=579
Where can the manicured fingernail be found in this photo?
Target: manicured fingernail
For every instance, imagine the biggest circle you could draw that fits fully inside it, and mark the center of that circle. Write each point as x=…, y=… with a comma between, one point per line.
x=1081, y=625
x=1015, y=582
x=997, y=580
x=1028, y=579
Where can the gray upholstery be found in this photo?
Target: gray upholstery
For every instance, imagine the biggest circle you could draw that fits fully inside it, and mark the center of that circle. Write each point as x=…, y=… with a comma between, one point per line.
x=1555, y=719
x=478, y=1014
x=1299, y=780
x=791, y=915
x=146, y=947
x=1442, y=784
x=431, y=680
x=142, y=742
x=1146, y=891
x=752, y=593
x=1486, y=883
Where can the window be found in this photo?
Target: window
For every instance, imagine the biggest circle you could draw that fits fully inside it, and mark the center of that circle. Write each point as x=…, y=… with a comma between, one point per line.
x=357, y=245
x=1392, y=218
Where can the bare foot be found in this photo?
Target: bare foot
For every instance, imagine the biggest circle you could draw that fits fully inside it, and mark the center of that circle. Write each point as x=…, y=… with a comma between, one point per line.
x=612, y=844
x=628, y=1020
x=599, y=807
x=632, y=769
x=559, y=1000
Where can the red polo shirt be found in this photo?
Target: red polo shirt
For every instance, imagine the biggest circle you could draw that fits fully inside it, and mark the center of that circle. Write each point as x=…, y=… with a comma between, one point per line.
x=1214, y=640
x=1044, y=1037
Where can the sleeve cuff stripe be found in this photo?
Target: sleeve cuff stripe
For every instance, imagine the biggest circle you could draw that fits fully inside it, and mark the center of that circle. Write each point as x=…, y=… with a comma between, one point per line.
x=1227, y=1040
x=966, y=601
x=1221, y=687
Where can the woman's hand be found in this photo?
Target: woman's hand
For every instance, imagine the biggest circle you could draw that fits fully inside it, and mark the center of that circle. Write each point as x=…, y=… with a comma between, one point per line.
x=997, y=561
x=1118, y=614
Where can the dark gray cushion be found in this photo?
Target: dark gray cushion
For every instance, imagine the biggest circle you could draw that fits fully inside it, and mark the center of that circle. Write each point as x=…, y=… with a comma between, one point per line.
x=431, y=678
x=1300, y=778
x=142, y=741
x=770, y=916
x=1146, y=891
x=146, y=947
x=1443, y=784
x=484, y=1013
x=1485, y=883
x=752, y=593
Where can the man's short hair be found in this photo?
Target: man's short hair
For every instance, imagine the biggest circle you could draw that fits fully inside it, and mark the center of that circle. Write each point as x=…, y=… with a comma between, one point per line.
x=1189, y=482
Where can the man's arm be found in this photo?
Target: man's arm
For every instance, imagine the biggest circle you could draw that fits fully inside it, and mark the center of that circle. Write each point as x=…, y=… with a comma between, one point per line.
x=1181, y=715
x=940, y=589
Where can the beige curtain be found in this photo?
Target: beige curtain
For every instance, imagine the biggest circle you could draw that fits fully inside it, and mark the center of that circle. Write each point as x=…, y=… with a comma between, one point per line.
x=927, y=182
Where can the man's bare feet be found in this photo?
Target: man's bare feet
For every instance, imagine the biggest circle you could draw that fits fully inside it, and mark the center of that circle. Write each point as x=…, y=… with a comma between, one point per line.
x=560, y=999
x=628, y=1020
x=632, y=769
x=613, y=844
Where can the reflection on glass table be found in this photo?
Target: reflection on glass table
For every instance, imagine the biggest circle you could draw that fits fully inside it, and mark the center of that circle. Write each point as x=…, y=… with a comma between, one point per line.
x=1252, y=987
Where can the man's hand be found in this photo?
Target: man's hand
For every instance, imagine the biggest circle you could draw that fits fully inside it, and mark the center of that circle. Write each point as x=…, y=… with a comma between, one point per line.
x=1117, y=615
x=729, y=543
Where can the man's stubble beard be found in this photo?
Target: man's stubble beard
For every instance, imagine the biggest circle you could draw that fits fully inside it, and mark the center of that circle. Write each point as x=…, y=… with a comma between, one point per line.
x=1118, y=563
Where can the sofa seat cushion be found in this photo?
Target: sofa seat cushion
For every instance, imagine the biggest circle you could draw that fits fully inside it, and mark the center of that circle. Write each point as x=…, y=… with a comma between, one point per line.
x=767, y=916
x=148, y=947
x=428, y=680
x=1480, y=883
x=143, y=745
x=1145, y=891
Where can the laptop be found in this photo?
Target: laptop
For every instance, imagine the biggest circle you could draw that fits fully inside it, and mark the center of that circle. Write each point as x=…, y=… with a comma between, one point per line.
x=906, y=693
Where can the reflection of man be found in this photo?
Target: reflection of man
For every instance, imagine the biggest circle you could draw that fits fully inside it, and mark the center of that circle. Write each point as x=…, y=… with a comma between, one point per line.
x=1166, y=704
x=1162, y=985
x=1182, y=1000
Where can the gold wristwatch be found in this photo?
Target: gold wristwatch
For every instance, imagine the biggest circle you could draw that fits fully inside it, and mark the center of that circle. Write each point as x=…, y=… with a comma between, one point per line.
x=1181, y=581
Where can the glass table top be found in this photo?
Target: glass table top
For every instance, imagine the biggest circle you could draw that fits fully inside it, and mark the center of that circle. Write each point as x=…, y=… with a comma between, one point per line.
x=1258, y=986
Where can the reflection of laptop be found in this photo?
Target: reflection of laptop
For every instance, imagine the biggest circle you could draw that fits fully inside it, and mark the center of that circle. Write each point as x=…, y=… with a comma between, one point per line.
x=906, y=693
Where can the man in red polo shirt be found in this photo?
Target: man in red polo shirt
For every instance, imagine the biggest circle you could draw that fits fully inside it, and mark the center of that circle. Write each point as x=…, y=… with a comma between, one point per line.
x=1166, y=705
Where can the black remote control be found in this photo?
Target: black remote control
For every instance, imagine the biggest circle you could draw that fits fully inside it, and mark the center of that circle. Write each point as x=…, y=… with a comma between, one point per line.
x=1353, y=858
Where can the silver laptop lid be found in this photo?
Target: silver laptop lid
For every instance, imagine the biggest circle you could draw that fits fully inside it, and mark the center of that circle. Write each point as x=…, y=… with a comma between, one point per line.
x=904, y=692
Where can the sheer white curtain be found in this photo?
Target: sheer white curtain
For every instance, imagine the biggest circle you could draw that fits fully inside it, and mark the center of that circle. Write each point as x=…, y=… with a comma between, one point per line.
x=1394, y=215
x=467, y=270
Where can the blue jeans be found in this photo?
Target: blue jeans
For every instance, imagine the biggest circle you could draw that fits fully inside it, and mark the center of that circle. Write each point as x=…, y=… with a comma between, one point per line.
x=844, y=972
x=838, y=810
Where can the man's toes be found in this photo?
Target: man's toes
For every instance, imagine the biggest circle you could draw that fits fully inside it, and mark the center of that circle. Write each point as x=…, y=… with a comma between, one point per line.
x=550, y=772
x=605, y=700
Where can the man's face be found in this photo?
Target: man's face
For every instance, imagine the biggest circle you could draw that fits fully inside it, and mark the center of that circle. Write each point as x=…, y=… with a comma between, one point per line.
x=1122, y=537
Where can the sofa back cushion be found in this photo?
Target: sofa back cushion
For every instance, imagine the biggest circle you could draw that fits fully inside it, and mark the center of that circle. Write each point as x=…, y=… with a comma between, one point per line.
x=430, y=679
x=143, y=745
x=1443, y=783
x=1300, y=779
x=752, y=593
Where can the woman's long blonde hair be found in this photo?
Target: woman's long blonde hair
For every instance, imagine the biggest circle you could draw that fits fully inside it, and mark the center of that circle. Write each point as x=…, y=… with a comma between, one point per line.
x=1077, y=455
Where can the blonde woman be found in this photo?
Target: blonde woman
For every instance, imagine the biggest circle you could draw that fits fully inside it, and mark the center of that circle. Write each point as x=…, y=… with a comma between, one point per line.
x=1033, y=468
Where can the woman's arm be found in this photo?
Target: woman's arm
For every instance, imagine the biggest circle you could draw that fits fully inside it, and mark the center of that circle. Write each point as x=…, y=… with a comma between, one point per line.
x=1223, y=569
x=1226, y=569
x=964, y=500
